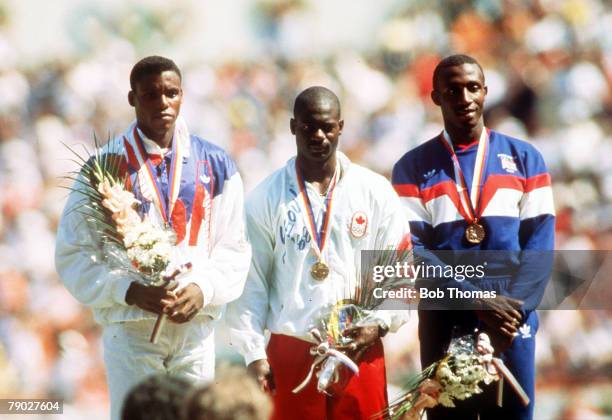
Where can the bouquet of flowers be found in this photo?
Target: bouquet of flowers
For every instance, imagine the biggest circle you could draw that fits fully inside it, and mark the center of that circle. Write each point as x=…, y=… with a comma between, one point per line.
x=356, y=310
x=131, y=243
x=468, y=362
x=328, y=334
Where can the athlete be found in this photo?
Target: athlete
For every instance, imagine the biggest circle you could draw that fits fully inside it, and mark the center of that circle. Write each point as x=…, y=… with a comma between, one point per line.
x=192, y=186
x=308, y=223
x=474, y=189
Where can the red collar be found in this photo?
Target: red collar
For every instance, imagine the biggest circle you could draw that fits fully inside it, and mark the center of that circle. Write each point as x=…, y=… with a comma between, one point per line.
x=463, y=147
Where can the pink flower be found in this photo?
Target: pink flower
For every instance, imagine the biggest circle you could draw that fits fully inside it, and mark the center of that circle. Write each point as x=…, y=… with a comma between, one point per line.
x=430, y=387
x=121, y=203
x=424, y=401
x=125, y=219
x=484, y=347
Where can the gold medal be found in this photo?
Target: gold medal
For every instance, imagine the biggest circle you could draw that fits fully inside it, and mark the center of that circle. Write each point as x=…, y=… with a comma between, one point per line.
x=475, y=233
x=319, y=271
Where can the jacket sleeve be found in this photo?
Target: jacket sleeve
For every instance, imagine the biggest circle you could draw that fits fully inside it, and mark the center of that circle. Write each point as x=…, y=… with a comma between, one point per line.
x=221, y=277
x=79, y=262
x=246, y=317
x=536, y=234
x=393, y=233
x=414, y=209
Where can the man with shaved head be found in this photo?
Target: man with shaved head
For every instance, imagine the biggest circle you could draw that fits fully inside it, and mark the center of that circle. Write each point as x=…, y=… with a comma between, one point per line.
x=308, y=223
x=474, y=189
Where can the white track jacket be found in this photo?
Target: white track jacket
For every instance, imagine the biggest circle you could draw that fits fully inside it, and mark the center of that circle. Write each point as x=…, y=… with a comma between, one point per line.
x=208, y=218
x=280, y=295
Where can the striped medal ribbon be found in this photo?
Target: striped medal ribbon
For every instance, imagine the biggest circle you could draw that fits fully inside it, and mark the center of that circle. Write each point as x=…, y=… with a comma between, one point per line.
x=146, y=175
x=319, y=270
x=475, y=232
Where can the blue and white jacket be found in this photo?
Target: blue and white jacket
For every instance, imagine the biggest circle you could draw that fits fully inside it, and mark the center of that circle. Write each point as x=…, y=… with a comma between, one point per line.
x=206, y=213
x=517, y=209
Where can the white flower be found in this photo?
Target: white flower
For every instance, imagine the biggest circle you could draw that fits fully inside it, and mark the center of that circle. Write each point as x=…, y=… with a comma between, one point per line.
x=162, y=250
x=444, y=372
x=445, y=399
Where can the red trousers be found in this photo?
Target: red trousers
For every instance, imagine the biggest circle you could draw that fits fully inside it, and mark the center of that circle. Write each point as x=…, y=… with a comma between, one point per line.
x=363, y=395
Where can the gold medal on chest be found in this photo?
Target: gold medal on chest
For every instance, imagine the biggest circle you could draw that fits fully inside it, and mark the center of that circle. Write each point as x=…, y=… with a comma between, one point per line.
x=319, y=271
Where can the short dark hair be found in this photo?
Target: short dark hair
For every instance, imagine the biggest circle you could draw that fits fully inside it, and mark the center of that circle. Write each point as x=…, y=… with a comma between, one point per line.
x=313, y=93
x=153, y=64
x=451, y=61
x=157, y=397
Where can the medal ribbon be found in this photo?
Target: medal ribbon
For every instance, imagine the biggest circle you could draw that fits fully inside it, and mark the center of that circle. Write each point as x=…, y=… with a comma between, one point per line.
x=319, y=237
x=470, y=204
x=150, y=180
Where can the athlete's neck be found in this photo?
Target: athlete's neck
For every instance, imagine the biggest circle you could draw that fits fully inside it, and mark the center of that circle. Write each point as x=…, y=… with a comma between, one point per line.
x=319, y=174
x=163, y=140
x=465, y=136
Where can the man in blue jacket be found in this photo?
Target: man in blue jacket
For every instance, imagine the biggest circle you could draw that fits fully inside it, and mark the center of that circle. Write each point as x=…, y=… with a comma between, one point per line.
x=474, y=189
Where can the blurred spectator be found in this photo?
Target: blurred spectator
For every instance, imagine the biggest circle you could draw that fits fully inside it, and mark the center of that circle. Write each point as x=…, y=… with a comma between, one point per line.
x=158, y=397
x=233, y=395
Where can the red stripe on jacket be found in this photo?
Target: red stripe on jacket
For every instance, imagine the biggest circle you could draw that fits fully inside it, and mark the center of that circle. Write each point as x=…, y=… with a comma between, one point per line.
x=492, y=184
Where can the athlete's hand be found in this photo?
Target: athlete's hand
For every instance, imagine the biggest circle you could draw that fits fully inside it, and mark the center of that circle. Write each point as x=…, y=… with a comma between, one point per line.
x=149, y=298
x=500, y=340
x=260, y=370
x=501, y=313
x=363, y=338
x=501, y=302
x=188, y=302
x=501, y=319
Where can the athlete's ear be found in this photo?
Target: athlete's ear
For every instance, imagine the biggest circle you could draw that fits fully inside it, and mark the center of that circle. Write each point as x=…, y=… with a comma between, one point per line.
x=292, y=125
x=131, y=97
x=435, y=97
x=486, y=89
x=341, y=126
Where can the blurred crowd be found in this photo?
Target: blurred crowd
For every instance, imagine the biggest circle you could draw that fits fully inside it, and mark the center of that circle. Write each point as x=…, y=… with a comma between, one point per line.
x=233, y=395
x=548, y=66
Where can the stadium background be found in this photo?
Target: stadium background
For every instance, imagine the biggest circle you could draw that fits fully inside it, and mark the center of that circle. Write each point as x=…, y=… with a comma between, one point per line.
x=64, y=69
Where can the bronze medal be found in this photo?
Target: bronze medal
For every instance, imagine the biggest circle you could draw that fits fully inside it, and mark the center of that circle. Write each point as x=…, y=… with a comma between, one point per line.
x=470, y=200
x=475, y=233
x=319, y=271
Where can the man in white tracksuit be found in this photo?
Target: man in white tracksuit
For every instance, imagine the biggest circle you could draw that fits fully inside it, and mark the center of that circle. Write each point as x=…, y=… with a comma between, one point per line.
x=308, y=223
x=190, y=185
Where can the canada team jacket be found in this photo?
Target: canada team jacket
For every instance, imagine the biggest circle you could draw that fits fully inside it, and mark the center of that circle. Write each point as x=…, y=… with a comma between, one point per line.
x=280, y=294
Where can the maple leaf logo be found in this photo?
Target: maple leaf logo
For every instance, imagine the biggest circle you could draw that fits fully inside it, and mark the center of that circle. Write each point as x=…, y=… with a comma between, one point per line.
x=358, y=224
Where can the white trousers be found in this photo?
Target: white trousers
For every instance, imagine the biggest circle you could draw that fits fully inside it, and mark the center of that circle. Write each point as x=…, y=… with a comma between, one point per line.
x=186, y=350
